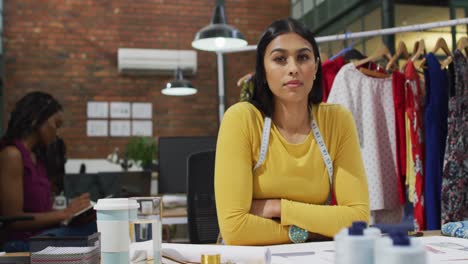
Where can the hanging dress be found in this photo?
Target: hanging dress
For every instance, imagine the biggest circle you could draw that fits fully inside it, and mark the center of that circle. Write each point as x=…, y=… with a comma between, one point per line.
x=398, y=86
x=414, y=110
x=330, y=69
x=455, y=172
x=435, y=127
x=370, y=100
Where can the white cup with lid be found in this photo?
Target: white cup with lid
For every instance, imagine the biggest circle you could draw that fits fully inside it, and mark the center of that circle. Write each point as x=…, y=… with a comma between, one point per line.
x=113, y=216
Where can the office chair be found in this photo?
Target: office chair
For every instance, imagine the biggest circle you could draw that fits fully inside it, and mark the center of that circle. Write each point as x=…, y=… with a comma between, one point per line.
x=201, y=208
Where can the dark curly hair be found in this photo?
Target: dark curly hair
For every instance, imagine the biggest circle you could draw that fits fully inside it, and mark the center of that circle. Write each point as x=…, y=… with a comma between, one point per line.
x=263, y=97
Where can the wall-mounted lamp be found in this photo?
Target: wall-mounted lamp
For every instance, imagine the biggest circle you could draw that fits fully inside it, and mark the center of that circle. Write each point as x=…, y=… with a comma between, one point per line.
x=218, y=35
x=179, y=86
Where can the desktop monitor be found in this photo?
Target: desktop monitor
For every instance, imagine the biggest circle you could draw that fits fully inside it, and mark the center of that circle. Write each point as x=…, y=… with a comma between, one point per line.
x=108, y=184
x=131, y=183
x=173, y=155
x=97, y=186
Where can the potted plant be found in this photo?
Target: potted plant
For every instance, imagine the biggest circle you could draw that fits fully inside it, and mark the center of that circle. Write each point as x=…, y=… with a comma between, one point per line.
x=142, y=151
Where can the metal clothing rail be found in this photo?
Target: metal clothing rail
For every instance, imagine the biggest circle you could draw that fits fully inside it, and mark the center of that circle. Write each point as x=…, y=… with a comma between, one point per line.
x=370, y=33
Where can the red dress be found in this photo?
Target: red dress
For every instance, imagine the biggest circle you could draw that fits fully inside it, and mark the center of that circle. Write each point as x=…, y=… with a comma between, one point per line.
x=398, y=85
x=414, y=110
x=330, y=69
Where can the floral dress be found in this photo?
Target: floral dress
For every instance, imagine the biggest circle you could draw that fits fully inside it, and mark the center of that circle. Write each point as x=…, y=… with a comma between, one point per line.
x=455, y=171
x=414, y=111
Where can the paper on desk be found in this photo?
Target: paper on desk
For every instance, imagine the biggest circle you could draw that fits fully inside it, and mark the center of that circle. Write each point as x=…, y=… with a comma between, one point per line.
x=442, y=249
x=236, y=254
x=317, y=253
x=313, y=252
x=65, y=250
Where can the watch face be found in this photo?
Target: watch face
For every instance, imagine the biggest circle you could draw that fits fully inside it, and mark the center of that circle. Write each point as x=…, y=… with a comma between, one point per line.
x=297, y=234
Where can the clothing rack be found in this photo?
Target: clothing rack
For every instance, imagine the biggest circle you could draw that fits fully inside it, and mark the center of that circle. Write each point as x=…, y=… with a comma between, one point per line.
x=372, y=33
x=363, y=34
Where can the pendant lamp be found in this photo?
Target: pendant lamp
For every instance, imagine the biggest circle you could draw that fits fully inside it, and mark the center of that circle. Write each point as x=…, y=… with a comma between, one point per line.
x=218, y=35
x=179, y=86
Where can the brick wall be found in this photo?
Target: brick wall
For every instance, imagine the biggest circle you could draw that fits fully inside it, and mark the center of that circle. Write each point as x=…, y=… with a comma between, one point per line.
x=69, y=48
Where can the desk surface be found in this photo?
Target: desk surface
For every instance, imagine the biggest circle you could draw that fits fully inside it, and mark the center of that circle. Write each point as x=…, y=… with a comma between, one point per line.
x=26, y=254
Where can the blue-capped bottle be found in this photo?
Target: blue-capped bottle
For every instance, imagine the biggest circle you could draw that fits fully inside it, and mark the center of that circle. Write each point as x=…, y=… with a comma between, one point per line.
x=356, y=244
x=398, y=248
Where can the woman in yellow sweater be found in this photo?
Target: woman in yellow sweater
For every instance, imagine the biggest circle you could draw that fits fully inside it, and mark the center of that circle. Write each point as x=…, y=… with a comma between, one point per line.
x=272, y=182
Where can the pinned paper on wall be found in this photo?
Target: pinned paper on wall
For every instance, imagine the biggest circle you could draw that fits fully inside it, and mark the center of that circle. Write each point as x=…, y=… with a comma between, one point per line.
x=98, y=109
x=96, y=128
x=120, y=128
x=142, y=128
x=120, y=110
x=142, y=110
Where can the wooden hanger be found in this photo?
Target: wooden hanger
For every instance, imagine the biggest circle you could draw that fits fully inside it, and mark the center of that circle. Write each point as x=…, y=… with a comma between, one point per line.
x=401, y=51
x=441, y=44
x=382, y=51
x=375, y=74
x=418, y=49
x=462, y=45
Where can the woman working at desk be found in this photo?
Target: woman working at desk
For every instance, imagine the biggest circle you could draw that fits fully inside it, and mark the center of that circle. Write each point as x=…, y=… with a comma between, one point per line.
x=283, y=156
x=25, y=188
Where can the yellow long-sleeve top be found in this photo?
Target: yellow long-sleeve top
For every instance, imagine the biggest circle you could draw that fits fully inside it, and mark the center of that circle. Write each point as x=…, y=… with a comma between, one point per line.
x=294, y=173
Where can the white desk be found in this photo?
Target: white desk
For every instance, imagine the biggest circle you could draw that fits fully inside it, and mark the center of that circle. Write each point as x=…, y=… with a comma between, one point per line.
x=324, y=252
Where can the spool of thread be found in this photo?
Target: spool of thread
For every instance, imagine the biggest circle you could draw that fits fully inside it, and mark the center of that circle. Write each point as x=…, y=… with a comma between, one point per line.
x=210, y=259
x=356, y=244
x=398, y=248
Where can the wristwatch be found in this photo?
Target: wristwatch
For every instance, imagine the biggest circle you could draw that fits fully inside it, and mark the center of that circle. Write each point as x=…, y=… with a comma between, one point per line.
x=297, y=234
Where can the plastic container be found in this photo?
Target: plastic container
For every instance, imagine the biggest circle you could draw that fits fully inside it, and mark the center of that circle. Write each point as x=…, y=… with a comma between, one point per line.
x=356, y=244
x=146, y=227
x=398, y=248
x=113, y=215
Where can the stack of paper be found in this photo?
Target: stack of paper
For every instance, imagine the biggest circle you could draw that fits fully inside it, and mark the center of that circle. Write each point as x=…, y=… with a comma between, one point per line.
x=70, y=255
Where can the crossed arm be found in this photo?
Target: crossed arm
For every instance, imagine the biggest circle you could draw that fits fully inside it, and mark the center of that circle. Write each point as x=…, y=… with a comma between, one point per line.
x=246, y=221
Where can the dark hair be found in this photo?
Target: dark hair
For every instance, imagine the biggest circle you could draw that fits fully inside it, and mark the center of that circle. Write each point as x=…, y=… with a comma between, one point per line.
x=30, y=113
x=263, y=97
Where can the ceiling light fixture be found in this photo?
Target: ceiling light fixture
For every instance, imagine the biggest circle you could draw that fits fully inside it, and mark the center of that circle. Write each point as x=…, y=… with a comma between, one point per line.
x=179, y=86
x=218, y=35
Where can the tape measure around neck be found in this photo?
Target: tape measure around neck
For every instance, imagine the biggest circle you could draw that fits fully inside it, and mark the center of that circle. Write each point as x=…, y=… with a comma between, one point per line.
x=264, y=142
x=318, y=138
x=323, y=150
